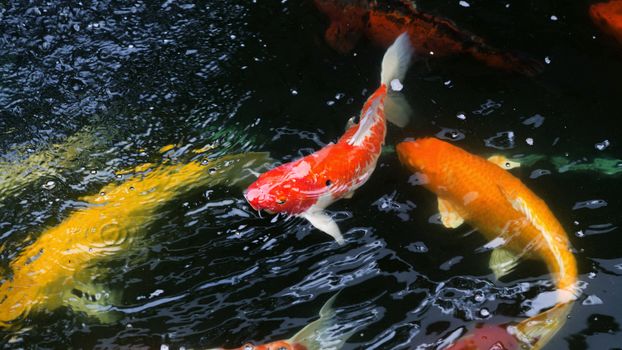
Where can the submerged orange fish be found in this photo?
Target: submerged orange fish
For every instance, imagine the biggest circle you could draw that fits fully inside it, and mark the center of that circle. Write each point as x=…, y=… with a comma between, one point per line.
x=60, y=268
x=312, y=337
x=608, y=17
x=381, y=21
x=305, y=187
x=503, y=209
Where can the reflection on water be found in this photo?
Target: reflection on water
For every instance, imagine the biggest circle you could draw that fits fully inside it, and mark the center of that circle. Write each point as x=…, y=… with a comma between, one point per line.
x=91, y=89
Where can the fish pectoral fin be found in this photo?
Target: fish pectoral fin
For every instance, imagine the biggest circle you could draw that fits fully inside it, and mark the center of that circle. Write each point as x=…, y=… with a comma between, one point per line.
x=503, y=162
x=397, y=110
x=449, y=216
x=502, y=262
x=323, y=222
x=95, y=301
x=348, y=195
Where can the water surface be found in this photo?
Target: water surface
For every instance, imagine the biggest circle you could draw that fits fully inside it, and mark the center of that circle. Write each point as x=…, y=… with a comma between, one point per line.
x=112, y=83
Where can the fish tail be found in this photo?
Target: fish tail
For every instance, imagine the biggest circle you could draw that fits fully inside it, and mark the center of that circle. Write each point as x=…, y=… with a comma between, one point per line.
x=396, y=60
x=538, y=330
x=321, y=334
x=395, y=64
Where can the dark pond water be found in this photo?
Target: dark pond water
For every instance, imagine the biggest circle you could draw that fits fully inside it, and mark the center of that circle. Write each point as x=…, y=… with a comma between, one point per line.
x=91, y=88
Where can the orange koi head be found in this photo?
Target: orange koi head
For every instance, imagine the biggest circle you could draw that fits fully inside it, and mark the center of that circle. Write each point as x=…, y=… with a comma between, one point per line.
x=284, y=189
x=422, y=155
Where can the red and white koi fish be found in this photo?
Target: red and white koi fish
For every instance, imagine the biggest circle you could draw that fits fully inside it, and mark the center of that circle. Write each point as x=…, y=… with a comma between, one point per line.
x=479, y=191
x=307, y=186
x=312, y=337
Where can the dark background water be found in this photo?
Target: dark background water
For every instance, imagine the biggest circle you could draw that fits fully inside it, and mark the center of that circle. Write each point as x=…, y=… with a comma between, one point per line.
x=258, y=76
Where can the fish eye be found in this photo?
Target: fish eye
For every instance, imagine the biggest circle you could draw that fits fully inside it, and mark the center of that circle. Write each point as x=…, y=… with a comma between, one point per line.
x=281, y=201
x=328, y=183
x=507, y=164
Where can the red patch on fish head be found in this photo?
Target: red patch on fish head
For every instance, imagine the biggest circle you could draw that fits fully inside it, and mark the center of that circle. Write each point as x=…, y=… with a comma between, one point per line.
x=487, y=337
x=284, y=189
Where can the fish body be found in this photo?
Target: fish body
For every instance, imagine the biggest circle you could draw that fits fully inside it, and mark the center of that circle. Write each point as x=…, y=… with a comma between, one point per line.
x=61, y=266
x=317, y=335
x=483, y=194
x=608, y=17
x=381, y=22
x=306, y=186
x=277, y=345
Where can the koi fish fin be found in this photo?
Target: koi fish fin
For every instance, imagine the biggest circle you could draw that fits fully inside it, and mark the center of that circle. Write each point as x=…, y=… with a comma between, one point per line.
x=449, y=216
x=395, y=63
x=239, y=170
x=323, y=222
x=502, y=262
x=322, y=334
x=95, y=301
x=396, y=109
x=503, y=162
x=396, y=60
x=349, y=195
x=538, y=330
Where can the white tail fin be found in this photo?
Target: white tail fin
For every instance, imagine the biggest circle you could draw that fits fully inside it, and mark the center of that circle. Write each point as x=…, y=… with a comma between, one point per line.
x=324, y=333
x=394, y=66
x=396, y=60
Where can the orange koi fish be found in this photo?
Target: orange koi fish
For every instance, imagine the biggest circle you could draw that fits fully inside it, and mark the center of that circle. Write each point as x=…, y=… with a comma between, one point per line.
x=608, y=17
x=517, y=222
x=305, y=187
x=381, y=22
x=311, y=337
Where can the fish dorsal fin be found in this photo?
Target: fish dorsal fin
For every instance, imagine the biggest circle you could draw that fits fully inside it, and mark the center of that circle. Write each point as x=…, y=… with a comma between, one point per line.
x=323, y=222
x=449, y=216
x=316, y=335
x=502, y=262
x=520, y=205
x=367, y=119
x=503, y=162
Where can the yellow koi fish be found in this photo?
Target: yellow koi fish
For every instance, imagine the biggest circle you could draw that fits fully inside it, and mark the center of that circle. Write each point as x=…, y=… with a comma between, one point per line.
x=53, y=271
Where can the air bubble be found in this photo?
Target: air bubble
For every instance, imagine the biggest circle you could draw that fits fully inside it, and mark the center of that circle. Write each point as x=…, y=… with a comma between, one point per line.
x=602, y=145
x=49, y=185
x=592, y=300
